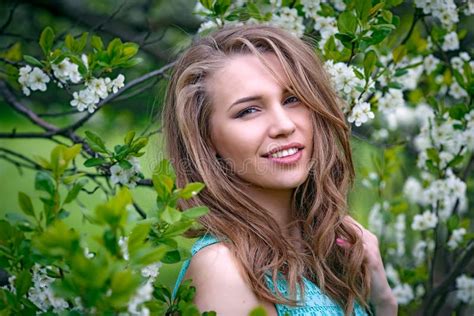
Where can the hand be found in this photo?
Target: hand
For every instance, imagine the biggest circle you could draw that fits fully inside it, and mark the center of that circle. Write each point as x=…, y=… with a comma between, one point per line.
x=380, y=294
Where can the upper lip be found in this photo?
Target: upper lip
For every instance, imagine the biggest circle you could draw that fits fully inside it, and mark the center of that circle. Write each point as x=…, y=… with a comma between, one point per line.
x=280, y=148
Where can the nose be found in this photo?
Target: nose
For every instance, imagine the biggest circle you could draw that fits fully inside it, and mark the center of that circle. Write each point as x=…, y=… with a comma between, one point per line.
x=281, y=122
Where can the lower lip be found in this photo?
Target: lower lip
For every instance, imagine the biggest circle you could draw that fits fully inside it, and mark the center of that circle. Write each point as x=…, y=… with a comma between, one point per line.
x=288, y=160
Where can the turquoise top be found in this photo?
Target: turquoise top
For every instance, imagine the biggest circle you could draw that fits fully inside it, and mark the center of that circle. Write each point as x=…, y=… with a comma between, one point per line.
x=316, y=303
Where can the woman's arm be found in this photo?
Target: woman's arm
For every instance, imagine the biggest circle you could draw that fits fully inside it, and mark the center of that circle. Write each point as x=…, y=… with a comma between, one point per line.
x=381, y=295
x=219, y=284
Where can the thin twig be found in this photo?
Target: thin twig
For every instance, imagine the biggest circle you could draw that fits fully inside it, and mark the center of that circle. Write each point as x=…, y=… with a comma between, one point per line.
x=24, y=110
x=139, y=210
x=10, y=17
x=443, y=287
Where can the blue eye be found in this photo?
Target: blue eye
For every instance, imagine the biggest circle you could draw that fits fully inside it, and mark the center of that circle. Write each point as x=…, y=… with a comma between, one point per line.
x=291, y=99
x=246, y=111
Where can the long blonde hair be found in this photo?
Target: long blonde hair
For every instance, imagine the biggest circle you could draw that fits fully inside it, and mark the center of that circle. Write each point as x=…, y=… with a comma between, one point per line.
x=318, y=205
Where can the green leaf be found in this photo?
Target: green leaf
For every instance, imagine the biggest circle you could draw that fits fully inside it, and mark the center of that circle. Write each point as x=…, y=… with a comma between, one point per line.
x=95, y=142
x=191, y=189
x=70, y=42
x=46, y=40
x=208, y=4
x=125, y=164
x=124, y=284
x=114, y=49
x=138, y=236
x=457, y=111
x=398, y=53
x=114, y=212
x=44, y=182
x=362, y=8
x=69, y=153
x=129, y=50
x=129, y=137
x=221, y=6
x=433, y=155
x=369, y=63
x=32, y=61
x=72, y=194
x=92, y=162
x=170, y=215
x=96, y=42
x=25, y=204
x=81, y=42
x=258, y=311
x=196, y=212
x=347, y=22
x=171, y=257
x=345, y=39
x=139, y=143
x=387, y=16
x=376, y=8
x=23, y=283
x=58, y=241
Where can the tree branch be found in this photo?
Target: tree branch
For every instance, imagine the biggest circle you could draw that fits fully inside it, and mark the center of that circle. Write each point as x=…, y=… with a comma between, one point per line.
x=443, y=287
x=23, y=110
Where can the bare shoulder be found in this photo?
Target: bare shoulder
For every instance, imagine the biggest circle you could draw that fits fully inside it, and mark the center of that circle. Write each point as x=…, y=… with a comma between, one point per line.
x=220, y=285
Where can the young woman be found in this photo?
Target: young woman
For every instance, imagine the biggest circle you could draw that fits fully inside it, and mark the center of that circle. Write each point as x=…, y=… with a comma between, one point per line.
x=250, y=112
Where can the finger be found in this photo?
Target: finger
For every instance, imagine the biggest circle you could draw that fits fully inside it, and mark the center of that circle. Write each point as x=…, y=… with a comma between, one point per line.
x=343, y=243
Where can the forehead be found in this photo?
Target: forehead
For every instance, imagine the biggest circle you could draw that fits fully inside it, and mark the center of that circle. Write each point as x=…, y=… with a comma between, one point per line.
x=245, y=75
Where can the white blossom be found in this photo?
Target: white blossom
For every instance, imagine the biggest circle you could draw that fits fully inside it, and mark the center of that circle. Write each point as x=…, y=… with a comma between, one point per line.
x=361, y=113
x=32, y=79
x=85, y=99
x=311, y=8
x=144, y=294
x=469, y=10
x=392, y=274
x=420, y=249
x=403, y=292
x=117, y=83
x=151, y=271
x=24, y=78
x=288, y=19
x=465, y=289
x=400, y=234
x=41, y=293
x=430, y=63
x=123, y=244
x=327, y=27
x=338, y=4
x=412, y=190
x=344, y=80
x=424, y=221
x=376, y=222
x=456, y=238
x=419, y=291
x=99, y=87
x=66, y=70
x=451, y=42
x=456, y=91
x=128, y=177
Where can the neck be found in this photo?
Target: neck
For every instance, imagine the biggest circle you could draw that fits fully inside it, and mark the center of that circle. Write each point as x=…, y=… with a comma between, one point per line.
x=277, y=202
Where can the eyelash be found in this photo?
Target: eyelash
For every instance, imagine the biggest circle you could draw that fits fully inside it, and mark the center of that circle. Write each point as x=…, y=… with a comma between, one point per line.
x=245, y=111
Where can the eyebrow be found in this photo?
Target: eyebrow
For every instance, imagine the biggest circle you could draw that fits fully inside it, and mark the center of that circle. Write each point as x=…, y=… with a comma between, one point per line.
x=246, y=99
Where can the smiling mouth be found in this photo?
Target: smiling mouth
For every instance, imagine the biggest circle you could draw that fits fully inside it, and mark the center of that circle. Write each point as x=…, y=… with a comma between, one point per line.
x=284, y=153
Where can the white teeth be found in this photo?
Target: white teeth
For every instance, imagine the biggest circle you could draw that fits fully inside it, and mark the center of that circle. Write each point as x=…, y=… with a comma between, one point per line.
x=284, y=153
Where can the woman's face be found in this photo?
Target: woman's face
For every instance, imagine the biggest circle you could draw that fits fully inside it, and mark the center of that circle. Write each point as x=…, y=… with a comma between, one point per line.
x=259, y=128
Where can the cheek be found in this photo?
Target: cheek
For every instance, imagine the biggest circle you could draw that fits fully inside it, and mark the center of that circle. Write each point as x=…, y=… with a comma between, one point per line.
x=236, y=142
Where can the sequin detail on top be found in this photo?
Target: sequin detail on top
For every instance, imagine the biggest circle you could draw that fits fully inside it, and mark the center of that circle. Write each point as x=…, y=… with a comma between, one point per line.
x=316, y=303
